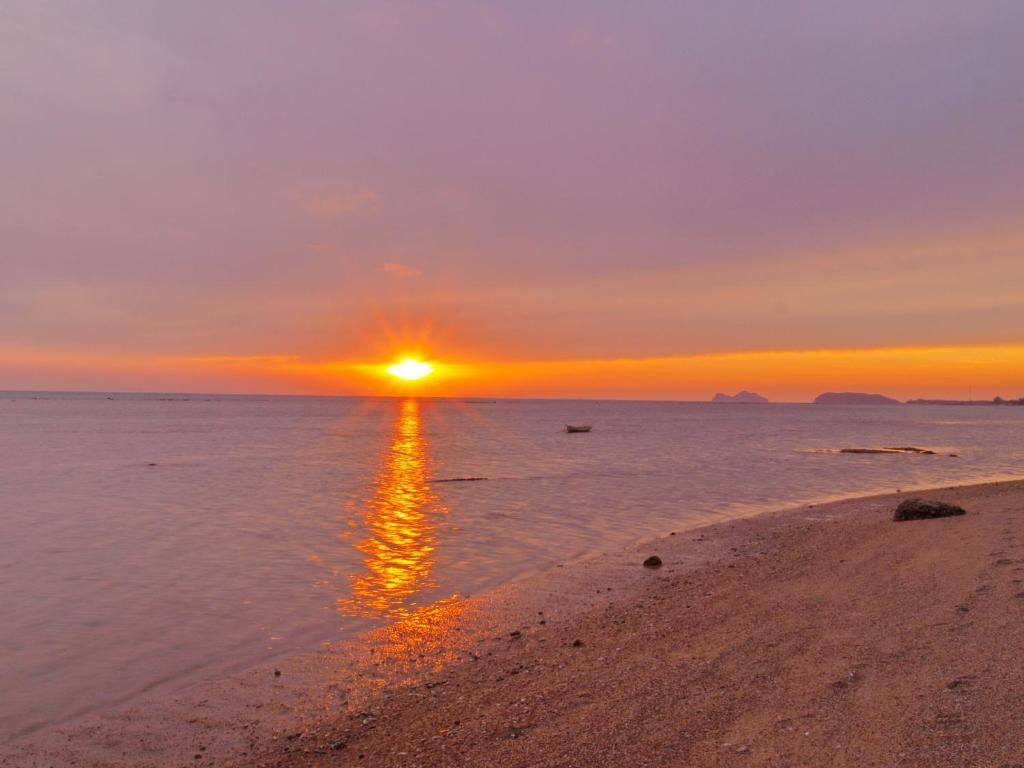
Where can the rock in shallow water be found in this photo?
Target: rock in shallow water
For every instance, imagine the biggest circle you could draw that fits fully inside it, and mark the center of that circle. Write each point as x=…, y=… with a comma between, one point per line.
x=919, y=509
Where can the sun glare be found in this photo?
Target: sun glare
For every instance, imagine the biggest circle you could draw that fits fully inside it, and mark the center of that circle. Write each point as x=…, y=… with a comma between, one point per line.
x=410, y=369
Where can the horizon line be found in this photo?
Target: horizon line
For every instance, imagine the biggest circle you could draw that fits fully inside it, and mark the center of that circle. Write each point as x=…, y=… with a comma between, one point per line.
x=6, y=392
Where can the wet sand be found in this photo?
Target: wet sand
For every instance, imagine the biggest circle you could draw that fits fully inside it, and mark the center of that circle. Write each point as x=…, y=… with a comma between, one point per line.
x=821, y=636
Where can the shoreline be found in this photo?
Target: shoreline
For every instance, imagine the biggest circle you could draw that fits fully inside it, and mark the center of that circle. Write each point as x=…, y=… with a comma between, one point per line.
x=443, y=685
x=828, y=635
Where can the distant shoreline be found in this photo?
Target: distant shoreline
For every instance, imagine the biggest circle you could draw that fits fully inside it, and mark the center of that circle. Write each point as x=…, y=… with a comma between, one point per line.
x=43, y=394
x=921, y=401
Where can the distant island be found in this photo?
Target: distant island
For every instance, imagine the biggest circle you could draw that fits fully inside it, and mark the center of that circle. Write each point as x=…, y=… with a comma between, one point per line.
x=853, y=398
x=993, y=401
x=740, y=397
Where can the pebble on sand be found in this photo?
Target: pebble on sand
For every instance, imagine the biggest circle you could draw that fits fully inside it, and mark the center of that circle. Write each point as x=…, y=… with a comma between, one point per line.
x=652, y=562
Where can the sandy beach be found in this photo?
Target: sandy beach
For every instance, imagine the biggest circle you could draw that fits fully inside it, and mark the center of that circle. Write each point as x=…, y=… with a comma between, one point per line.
x=829, y=636
x=825, y=635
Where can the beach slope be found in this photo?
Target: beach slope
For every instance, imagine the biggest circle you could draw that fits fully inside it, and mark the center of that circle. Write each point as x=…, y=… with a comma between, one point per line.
x=827, y=636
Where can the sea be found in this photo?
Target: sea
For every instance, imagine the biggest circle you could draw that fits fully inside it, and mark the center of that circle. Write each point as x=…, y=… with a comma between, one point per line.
x=148, y=541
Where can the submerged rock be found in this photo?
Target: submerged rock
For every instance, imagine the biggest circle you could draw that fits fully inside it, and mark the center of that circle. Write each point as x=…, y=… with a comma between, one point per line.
x=652, y=562
x=919, y=509
x=908, y=449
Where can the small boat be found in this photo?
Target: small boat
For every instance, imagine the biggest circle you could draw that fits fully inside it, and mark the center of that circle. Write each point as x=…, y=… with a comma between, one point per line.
x=582, y=428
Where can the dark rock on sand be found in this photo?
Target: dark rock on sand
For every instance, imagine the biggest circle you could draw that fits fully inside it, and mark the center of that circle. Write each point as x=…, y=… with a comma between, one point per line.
x=919, y=509
x=652, y=562
x=961, y=682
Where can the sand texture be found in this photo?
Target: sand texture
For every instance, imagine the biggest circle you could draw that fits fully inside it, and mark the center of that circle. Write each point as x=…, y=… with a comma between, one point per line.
x=830, y=637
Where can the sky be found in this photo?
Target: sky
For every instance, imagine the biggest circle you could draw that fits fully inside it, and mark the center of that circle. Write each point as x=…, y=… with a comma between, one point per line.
x=582, y=198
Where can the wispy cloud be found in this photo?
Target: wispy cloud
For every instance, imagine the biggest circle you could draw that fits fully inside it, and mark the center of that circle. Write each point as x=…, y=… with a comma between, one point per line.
x=596, y=40
x=401, y=270
x=335, y=203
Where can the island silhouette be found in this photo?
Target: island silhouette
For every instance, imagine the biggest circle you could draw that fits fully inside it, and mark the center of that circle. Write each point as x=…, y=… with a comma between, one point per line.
x=740, y=397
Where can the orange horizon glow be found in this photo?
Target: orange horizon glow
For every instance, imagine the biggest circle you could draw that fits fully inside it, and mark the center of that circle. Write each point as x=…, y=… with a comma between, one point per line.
x=956, y=372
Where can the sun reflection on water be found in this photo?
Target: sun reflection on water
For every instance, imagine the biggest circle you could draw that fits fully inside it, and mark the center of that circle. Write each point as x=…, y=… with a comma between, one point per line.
x=401, y=520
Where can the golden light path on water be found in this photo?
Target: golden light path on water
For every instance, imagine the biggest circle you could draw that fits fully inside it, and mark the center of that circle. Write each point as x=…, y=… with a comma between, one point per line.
x=402, y=519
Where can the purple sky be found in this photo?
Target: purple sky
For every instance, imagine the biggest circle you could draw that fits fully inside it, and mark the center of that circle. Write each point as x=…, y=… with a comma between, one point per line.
x=536, y=180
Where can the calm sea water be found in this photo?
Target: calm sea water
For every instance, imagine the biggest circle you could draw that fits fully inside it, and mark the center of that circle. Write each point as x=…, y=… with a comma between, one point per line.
x=153, y=540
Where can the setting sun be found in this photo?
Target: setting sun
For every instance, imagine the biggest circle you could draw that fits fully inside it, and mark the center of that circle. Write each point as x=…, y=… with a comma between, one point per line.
x=410, y=370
